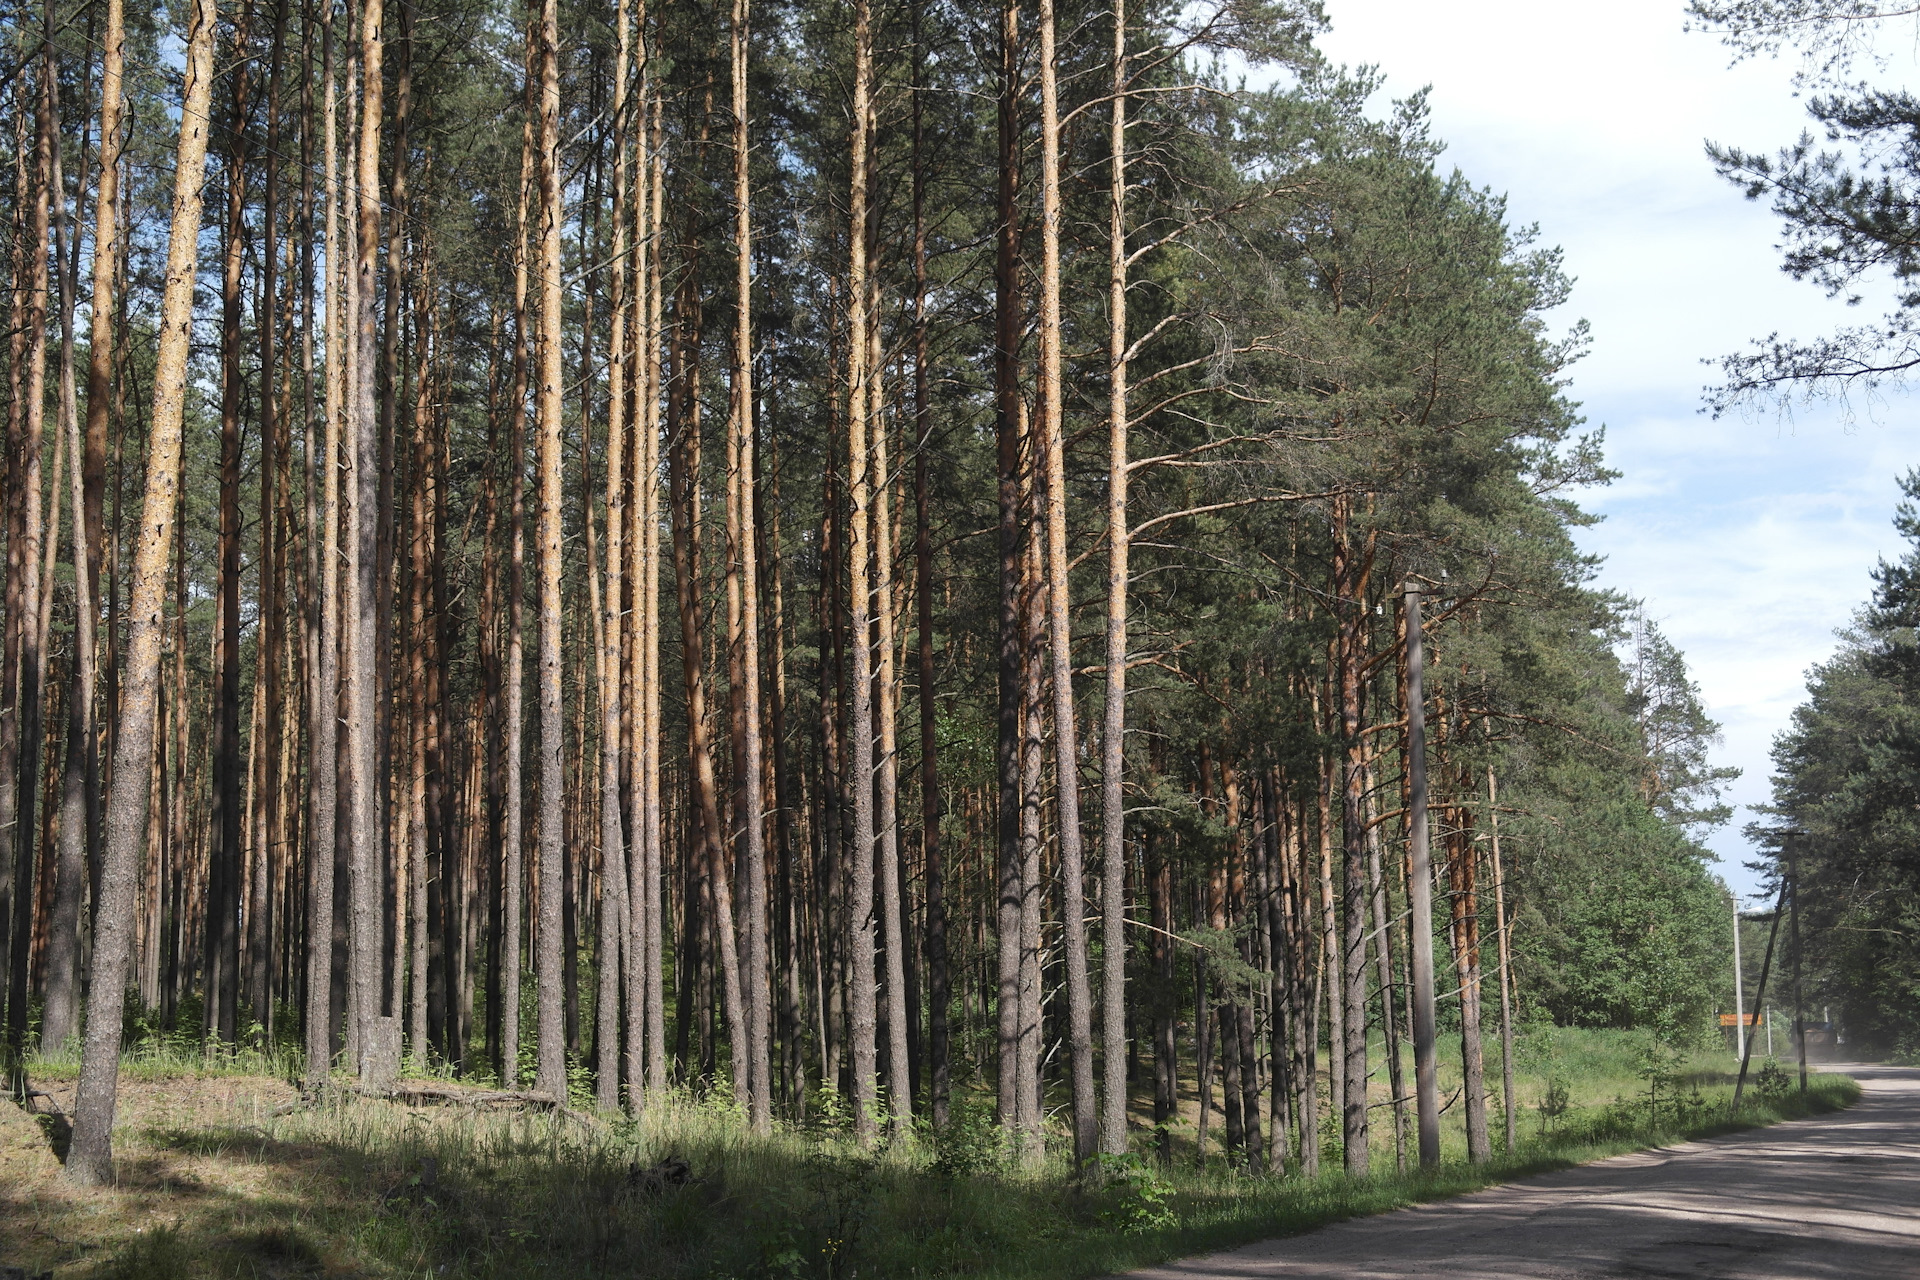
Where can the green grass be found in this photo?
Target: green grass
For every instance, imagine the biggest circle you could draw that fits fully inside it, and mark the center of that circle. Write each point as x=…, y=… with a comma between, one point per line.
x=524, y=1196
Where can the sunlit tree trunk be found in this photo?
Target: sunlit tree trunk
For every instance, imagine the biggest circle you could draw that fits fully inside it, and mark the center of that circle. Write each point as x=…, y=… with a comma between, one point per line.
x=90, y=1155
x=324, y=716
x=861, y=396
x=1113, y=810
x=550, y=1075
x=367, y=838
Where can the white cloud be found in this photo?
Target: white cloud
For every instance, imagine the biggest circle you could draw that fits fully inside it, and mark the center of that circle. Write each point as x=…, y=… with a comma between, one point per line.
x=1750, y=540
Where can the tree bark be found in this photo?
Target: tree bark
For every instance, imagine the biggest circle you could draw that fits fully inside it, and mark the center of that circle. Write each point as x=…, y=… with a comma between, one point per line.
x=932, y=802
x=1113, y=883
x=751, y=825
x=1009, y=319
x=862, y=313
x=550, y=1075
x=60, y=1012
x=1420, y=889
x=367, y=838
x=324, y=711
x=90, y=1156
x=1066, y=742
x=616, y=934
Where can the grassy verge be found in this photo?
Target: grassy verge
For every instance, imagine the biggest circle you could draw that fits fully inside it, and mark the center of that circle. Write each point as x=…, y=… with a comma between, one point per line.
x=218, y=1182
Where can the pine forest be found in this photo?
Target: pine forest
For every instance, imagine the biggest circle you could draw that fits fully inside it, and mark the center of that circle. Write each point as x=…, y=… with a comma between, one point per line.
x=1003, y=568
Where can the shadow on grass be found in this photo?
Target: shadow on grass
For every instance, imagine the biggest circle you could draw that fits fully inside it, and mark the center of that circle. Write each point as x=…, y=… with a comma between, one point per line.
x=528, y=1196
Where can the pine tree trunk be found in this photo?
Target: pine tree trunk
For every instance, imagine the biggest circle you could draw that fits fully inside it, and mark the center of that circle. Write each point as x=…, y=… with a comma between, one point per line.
x=323, y=729
x=225, y=873
x=1420, y=888
x=1066, y=743
x=887, y=866
x=653, y=950
x=90, y=1155
x=616, y=934
x=32, y=537
x=1350, y=590
x=932, y=805
x=551, y=1070
x=61, y=1008
x=749, y=786
x=1009, y=319
x=1383, y=942
x=1503, y=938
x=1113, y=857
x=366, y=838
x=862, y=313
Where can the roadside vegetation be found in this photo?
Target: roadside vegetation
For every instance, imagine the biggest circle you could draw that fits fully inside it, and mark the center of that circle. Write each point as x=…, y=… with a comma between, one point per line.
x=232, y=1174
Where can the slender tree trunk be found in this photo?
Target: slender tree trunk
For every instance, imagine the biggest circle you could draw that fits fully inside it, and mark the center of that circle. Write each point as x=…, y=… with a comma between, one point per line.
x=932, y=802
x=1066, y=741
x=33, y=538
x=551, y=1071
x=653, y=951
x=512, y=860
x=1503, y=941
x=752, y=822
x=367, y=838
x=1350, y=592
x=60, y=1012
x=224, y=880
x=862, y=313
x=1113, y=884
x=14, y=880
x=616, y=935
x=887, y=866
x=1383, y=942
x=1420, y=890
x=324, y=711
x=271, y=632
x=1462, y=874
x=90, y=1156
x=1009, y=320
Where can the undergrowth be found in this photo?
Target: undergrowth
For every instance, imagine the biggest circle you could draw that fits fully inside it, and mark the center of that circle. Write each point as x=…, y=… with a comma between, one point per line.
x=688, y=1193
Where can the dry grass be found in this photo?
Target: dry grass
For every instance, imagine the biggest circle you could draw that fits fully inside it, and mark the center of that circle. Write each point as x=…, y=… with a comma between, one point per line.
x=230, y=1176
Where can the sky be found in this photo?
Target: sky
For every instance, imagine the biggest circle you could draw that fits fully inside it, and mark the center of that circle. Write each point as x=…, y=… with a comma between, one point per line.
x=1750, y=539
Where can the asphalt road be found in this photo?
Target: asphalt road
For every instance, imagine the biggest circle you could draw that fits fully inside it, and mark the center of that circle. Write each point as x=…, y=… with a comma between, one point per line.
x=1832, y=1198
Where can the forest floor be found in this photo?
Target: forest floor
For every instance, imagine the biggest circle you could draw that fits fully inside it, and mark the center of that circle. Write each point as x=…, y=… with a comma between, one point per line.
x=231, y=1175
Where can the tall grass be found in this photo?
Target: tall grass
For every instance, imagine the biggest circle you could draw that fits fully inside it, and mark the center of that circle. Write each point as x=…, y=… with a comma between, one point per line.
x=371, y=1187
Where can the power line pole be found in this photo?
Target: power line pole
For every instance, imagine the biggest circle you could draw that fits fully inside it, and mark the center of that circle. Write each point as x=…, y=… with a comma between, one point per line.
x=1739, y=1007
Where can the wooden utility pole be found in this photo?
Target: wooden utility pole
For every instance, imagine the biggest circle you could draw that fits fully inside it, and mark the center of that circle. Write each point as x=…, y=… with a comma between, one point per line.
x=1739, y=996
x=90, y=1156
x=1426, y=1086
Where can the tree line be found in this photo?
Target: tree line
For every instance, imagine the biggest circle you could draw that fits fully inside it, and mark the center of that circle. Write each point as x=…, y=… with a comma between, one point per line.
x=842, y=556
